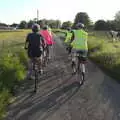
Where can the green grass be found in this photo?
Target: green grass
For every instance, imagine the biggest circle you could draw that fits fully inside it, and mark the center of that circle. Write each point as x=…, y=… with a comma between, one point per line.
x=105, y=53
x=13, y=60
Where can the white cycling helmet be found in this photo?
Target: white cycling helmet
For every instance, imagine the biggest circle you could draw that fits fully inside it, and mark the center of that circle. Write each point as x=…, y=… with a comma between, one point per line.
x=80, y=25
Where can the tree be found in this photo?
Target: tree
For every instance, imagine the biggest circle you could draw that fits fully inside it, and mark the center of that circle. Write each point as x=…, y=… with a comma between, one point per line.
x=66, y=24
x=14, y=25
x=83, y=18
x=101, y=25
x=58, y=23
x=117, y=20
x=30, y=23
x=51, y=23
x=23, y=25
x=117, y=16
x=3, y=24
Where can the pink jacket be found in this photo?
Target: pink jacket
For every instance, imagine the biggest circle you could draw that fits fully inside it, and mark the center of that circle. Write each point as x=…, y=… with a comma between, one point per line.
x=48, y=38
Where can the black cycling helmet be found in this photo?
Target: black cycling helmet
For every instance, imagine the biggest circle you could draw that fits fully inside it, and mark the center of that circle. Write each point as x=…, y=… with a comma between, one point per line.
x=35, y=27
x=69, y=29
x=80, y=25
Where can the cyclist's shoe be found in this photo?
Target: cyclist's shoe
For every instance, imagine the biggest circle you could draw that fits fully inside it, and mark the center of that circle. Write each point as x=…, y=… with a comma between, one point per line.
x=81, y=82
x=29, y=75
x=49, y=58
x=74, y=68
x=41, y=71
x=74, y=71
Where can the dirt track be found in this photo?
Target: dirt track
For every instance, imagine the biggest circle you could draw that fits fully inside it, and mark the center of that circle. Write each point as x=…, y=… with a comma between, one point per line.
x=61, y=98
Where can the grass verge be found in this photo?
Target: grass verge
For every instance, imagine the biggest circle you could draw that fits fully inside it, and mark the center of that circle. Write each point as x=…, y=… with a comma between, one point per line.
x=13, y=60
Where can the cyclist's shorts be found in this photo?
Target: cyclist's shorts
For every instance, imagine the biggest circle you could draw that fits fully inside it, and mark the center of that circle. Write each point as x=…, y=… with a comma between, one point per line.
x=75, y=53
x=84, y=53
x=34, y=53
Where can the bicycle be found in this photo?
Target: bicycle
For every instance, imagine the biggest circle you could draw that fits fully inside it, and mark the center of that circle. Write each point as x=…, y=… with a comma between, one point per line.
x=35, y=68
x=78, y=66
x=46, y=56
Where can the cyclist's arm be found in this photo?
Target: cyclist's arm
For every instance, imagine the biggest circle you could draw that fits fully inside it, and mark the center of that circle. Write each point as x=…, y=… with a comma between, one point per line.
x=27, y=42
x=43, y=42
x=72, y=38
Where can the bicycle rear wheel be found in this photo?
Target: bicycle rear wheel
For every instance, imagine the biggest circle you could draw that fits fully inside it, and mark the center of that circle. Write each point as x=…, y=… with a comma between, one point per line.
x=36, y=81
x=36, y=76
x=81, y=73
x=74, y=67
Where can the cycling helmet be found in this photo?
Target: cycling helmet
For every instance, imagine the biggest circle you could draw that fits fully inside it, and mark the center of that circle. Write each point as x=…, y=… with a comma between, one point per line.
x=69, y=29
x=80, y=25
x=45, y=27
x=35, y=27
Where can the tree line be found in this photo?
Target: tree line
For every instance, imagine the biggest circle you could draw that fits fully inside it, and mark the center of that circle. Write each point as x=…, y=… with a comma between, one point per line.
x=80, y=17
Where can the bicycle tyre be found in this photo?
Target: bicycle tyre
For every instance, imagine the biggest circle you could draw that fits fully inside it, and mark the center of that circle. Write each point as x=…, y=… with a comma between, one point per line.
x=36, y=81
x=81, y=73
x=73, y=67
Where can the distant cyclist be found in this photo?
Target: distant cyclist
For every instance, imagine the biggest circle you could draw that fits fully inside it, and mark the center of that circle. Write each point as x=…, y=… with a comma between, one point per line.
x=35, y=44
x=79, y=41
x=48, y=37
x=68, y=40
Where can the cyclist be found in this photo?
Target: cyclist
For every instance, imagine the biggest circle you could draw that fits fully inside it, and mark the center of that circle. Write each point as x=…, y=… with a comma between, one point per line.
x=48, y=39
x=79, y=42
x=68, y=39
x=35, y=44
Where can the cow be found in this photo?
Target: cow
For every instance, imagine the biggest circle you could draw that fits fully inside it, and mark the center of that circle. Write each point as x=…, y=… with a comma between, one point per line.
x=115, y=35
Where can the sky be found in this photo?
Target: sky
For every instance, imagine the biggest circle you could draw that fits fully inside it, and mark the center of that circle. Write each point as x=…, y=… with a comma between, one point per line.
x=16, y=10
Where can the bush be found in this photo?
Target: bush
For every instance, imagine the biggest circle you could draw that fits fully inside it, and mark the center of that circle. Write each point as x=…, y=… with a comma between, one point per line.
x=12, y=71
x=4, y=101
x=22, y=56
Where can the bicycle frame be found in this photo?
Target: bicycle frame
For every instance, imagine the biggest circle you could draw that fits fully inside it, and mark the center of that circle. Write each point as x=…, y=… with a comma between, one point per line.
x=80, y=63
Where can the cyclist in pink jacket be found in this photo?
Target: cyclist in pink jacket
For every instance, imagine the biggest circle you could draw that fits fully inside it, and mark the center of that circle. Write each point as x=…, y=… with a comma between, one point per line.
x=48, y=38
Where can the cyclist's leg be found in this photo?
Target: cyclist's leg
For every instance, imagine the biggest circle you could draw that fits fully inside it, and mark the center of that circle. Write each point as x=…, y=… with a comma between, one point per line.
x=50, y=51
x=74, y=59
x=37, y=54
x=53, y=55
x=73, y=52
x=69, y=50
x=82, y=53
x=29, y=73
x=47, y=50
x=41, y=61
x=44, y=57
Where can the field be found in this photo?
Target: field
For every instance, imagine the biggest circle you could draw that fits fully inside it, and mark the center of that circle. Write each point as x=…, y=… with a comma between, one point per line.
x=12, y=65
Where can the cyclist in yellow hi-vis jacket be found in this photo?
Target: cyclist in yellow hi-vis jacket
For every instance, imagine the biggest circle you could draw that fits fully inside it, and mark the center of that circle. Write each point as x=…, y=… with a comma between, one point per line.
x=79, y=41
x=68, y=40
